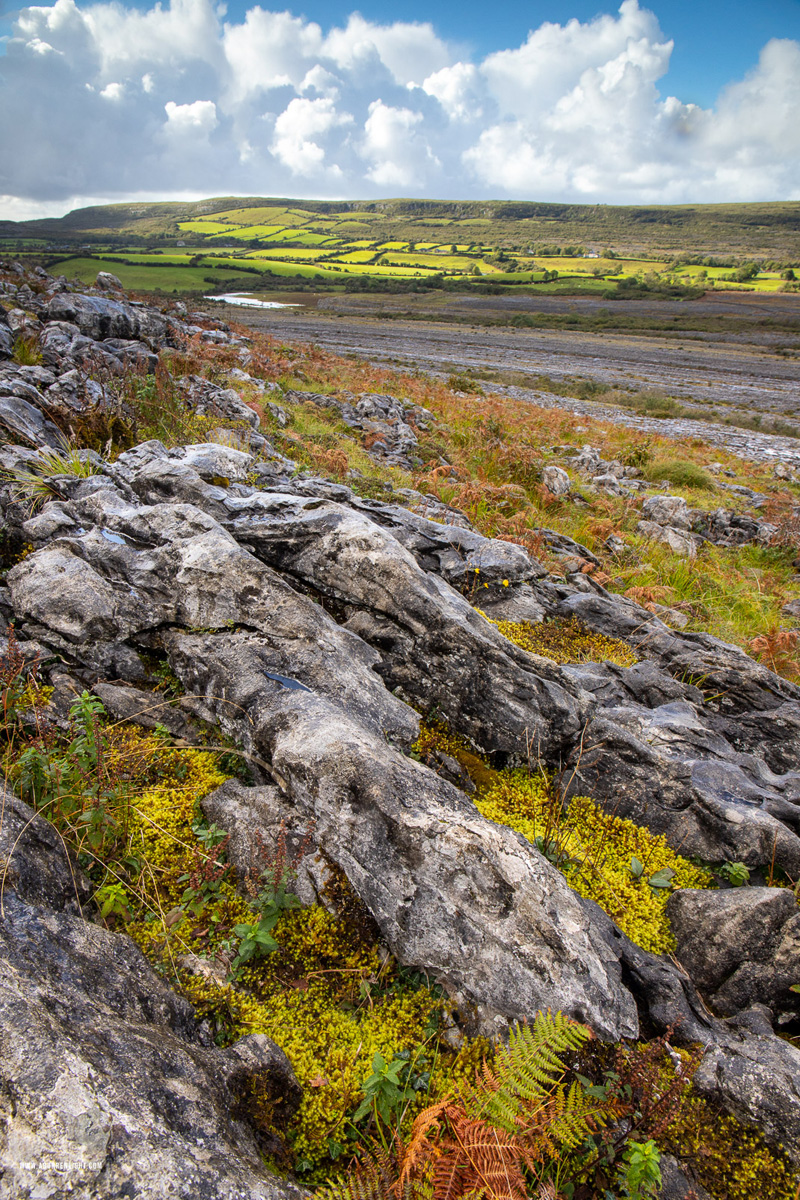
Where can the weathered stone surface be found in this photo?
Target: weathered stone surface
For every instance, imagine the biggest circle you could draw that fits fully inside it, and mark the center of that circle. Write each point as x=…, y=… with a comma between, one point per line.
x=434, y=646
x=456, y=553
x=737, y=682
x=740, y=946
x=679, y=542
x=104, y=1068
x=106, y=280
x=56, y=340
x=179, y=566
x=100, y=317
x=556, y=480
x=22, y=422
x=664, y=769
x=676, y=1184
x=108, y=1086
x=667, y=510
x=758, y=1077
x=6, y=336
x=389, y=424
x=34, y=862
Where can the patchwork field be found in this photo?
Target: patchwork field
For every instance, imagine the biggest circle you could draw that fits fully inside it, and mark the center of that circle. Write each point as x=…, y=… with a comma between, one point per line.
x=195, y=247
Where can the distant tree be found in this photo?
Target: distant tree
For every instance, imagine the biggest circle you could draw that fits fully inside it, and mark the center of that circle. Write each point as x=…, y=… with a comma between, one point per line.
x=745, y=273
x=788, y=274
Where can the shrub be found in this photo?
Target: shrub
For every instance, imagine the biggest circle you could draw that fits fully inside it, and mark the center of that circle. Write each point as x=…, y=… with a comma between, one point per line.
x=26, y=352
x=680, y=472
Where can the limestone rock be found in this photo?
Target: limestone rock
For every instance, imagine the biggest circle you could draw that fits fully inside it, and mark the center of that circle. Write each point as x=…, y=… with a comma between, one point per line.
x=100, y=317
x=107, y=281
x=740, y=946
x=556, y=480
x=758, y=1076
x=679, y=542
x=108, y=1086
x=667, y=510
x=24, y=423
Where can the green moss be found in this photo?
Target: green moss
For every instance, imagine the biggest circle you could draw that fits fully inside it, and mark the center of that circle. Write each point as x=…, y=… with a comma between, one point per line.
x=565, y=641
x=731, y=1162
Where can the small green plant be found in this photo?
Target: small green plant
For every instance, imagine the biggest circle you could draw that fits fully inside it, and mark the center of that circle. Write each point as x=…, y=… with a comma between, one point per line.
x=38, y=482
x=640, y=1173
x=659, y=881
x=113, y=901
x=387, y=1091
x=267, y=885
x=736, y=873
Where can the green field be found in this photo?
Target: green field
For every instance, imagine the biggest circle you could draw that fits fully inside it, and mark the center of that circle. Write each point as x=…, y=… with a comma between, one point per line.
x=589, y=248
x=138, y=278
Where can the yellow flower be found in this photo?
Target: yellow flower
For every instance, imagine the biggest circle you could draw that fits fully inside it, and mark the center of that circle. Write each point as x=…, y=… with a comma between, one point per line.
x=505, y=583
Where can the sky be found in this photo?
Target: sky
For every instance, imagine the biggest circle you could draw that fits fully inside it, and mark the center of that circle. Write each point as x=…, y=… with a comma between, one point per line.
x=576, y=101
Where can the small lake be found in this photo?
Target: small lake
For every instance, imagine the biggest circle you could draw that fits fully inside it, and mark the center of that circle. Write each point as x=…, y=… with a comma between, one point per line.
x=244, y=300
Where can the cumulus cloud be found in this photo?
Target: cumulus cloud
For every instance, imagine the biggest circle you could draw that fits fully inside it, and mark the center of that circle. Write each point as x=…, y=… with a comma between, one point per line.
x=108, y=101
x=296, y=129
x=393, y=145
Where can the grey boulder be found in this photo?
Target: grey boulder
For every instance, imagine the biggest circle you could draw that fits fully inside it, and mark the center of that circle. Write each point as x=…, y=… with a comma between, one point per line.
x=741, y=946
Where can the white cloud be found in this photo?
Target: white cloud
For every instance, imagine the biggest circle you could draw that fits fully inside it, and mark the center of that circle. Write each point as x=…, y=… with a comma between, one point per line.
x=459, y=89
x=107, y=101
x=296, y=129
x=409, y=51
x=191, y=120
x=393, y=145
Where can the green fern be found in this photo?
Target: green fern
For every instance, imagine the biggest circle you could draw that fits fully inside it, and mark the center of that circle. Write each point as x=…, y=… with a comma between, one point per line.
x=495, y=1139
x=526, y=1072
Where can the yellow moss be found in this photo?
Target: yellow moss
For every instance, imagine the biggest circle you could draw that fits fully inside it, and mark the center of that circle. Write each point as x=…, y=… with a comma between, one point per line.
x=329, y=1044
x=594, y=851
x=161, y=816
x=565, y=641
x=731, y=1161
x=35, y=695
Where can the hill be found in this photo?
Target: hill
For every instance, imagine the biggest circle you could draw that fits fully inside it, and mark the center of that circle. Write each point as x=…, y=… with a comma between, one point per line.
x=771, y=229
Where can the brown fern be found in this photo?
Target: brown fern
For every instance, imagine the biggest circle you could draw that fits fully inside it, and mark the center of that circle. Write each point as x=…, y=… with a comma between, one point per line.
x=495, y=1137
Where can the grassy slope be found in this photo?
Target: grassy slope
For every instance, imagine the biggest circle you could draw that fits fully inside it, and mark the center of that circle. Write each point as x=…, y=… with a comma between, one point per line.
x=742, y=229
x=497, y=448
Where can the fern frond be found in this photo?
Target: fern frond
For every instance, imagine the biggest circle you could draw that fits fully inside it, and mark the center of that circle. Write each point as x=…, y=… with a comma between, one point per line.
x=492, y=1158
x=371, y=1178
x=526, y=1071
x=420, y=1149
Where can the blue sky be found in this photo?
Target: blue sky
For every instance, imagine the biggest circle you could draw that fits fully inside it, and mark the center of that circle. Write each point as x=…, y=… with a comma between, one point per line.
x=625, y=102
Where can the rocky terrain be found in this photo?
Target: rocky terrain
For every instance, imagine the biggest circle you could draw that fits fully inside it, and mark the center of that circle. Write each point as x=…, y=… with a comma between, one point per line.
x=310, y=626
x=744, y=365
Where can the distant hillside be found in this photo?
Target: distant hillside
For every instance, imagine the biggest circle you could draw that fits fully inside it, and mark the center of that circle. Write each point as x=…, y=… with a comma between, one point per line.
x=771, y=229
